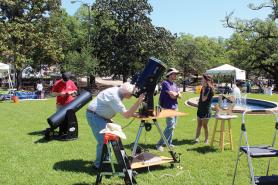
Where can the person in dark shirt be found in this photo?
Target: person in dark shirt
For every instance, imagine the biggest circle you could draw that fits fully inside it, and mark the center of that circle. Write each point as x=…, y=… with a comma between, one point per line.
x=168, y=100
x=204, y=107
x=248, y=86
x=227, y=89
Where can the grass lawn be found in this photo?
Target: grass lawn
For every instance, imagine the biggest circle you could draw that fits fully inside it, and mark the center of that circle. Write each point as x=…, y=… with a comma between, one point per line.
x=27, y=159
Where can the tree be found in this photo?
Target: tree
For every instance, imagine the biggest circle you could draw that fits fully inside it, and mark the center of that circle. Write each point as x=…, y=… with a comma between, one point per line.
x=196, y=54
x=81, y=64
x=124, y=38
x=187, y=55
x=25, y=33
x=259, y=39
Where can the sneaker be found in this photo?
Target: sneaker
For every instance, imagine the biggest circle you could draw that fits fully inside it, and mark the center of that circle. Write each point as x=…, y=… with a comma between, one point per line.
x=160, y=148
x=206, y=142
x=172, y=146
x=95, y=168
x=196, y=140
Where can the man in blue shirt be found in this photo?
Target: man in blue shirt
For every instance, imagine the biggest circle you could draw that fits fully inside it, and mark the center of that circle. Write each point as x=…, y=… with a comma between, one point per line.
x=168, y=100
x=104, y=107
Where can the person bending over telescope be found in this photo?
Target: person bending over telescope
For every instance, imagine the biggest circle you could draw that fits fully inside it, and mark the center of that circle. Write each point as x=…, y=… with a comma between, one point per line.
x=104, y=107
x=65, y=90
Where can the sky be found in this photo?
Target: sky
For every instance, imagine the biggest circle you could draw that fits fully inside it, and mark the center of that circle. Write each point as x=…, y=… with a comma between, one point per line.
x=196, y=17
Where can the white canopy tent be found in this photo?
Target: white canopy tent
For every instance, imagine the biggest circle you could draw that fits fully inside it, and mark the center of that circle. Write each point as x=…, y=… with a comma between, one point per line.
x=227, y=69
x=5, y=69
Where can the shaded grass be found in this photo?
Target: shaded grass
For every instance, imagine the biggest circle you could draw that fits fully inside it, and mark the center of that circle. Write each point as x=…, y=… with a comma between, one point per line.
x=26, y=158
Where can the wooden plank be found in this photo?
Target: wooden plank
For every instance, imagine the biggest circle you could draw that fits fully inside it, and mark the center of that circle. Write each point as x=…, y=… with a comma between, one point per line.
x=147, y=159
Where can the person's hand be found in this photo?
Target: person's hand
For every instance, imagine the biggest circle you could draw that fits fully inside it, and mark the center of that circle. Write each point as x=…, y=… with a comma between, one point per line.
x=62, y=94
x=179, y=95
x=173, y=95
x=141, y=97
x=72, y=93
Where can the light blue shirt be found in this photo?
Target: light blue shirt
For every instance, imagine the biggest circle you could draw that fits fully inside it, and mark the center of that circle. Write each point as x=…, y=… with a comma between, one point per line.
x=108, y=103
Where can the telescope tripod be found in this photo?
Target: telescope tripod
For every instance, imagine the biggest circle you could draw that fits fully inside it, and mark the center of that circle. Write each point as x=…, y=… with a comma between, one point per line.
x=175, y=157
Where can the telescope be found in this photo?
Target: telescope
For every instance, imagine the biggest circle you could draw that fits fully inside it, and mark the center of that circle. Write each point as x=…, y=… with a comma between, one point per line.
x=66, y=120
x=146, y=83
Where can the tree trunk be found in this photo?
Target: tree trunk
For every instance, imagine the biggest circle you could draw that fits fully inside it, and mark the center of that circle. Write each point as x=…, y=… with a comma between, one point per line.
x=92, y=80
x=183, y=82
x=91, y=83
x=18, y=79
x=276, y=77
x=124, y=78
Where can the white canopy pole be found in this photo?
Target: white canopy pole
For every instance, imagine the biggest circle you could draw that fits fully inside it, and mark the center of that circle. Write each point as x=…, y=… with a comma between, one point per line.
x=10, y=80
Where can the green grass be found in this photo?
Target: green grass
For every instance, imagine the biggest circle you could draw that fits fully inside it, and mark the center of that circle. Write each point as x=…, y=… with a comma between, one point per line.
x=3, y=91
x=27, y=159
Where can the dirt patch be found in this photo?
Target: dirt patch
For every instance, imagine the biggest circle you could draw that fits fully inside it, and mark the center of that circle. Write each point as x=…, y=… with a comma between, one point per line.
x=102, y=84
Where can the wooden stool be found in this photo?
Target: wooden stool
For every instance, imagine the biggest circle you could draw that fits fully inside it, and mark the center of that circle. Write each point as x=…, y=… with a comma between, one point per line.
x=222, y=130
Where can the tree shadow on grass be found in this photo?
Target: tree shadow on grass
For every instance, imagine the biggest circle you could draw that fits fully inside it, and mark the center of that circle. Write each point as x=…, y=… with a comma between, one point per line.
x=103, y=183
x=75, y=165
x=146, y=147
x=81, y=166
x=140, y=147
x=203, y=149
x=184, y=142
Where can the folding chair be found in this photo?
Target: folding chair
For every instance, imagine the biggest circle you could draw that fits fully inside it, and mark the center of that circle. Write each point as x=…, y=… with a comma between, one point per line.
x=257, y=152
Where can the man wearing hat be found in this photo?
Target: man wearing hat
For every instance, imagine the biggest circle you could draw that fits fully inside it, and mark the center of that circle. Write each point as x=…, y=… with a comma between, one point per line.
x=104, y=107
x=168, y=100
x=64, y=90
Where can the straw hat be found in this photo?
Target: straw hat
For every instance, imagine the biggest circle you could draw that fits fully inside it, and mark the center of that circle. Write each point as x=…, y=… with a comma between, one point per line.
x=115, y=129
x=171, y=70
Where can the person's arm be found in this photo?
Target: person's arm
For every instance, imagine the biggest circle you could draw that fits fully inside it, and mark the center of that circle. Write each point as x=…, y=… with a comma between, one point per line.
x=165, y=88
x=72, y=93
x=131, y=111
x=55, y=91
x=73, y=90
x=172, y=94
x=205, y=94
x=58, y=94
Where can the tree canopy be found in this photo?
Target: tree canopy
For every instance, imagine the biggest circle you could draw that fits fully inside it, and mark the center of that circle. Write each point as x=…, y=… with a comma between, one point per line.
x=254, y=44
x=124, y=38
x=116, y=37
x=193, y=55
x=25, y=33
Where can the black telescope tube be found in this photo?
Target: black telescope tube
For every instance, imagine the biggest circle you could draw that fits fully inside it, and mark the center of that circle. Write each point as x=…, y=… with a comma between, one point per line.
x=58, y=117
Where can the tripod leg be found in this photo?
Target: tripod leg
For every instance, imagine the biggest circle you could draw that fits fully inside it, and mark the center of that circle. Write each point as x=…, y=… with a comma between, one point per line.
x=137, y=138
x=171, y=151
